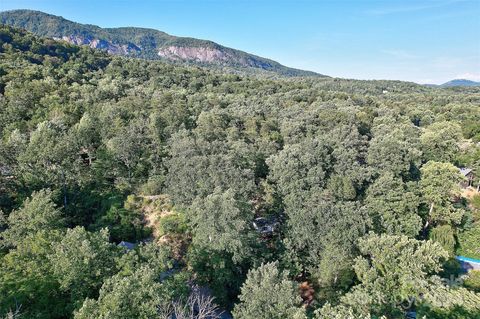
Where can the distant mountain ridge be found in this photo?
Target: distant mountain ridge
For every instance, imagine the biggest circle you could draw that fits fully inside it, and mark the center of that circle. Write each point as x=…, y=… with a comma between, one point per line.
x=456, y=82
x=460, y=82
x=144, y=43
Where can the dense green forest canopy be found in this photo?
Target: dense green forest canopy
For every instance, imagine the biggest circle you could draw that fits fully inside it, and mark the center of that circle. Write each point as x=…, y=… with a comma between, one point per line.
x=266, y=198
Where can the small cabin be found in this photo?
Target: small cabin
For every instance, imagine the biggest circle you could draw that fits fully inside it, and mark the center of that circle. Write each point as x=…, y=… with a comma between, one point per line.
x=265, y=226
x=468, y=174
x=126, y=245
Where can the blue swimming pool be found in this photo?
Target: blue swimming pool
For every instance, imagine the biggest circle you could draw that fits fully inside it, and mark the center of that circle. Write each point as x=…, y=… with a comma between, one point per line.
x=467, y=259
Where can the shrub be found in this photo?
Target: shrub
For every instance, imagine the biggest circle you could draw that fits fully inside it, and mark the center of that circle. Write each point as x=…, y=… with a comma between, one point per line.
x=172, y=224
x=473, y=280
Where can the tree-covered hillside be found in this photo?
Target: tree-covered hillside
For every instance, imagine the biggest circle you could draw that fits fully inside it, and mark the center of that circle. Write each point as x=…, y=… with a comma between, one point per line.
x=139, y=189
x=460, y=82
x=146, y=43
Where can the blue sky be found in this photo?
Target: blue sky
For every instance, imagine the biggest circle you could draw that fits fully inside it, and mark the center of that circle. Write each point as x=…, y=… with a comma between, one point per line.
x=425, y=41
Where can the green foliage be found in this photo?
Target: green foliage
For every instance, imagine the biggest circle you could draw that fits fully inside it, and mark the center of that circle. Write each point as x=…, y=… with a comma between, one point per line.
x=473, y=280
x=393, y=206
x=313, y=229
x=457, y=312
x=217, y=270
x=444, y=302
x=394, y=148
x=334, y=274
x=37, y=213
x=339, y=312
x=138, y=295
x=197, y=167
x=475, y=201
x=120, y=141
x=440, y=141
x=123, y=224
x=268, y=293
x=152, y=255
x=82, y=261
x=468, y=242
x=220, y=222
x=440, y=184
x=471, y=129
x=172, y=224
x=27, y=278
x=445, y=236
x=301, y=167
x=392, y=270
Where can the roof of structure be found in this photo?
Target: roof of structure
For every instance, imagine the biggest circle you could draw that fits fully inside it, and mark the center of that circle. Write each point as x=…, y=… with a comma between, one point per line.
x=465, y=171
x=127, y=245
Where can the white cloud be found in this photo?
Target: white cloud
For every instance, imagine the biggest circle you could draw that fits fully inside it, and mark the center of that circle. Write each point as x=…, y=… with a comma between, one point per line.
x=469, y=76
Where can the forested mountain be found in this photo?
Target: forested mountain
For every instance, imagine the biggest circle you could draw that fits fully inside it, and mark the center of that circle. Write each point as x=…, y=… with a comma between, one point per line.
x=145, y=43
x=455, y=83
x=460, y=82
x=132, y=188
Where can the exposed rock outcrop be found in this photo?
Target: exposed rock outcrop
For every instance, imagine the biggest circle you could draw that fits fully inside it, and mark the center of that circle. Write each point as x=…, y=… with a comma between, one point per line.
x=112, y=48
x=198, y=54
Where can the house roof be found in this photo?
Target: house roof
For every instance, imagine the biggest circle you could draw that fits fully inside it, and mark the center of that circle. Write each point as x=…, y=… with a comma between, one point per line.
x=127, y=245
x=264, y=225
x=465, y=171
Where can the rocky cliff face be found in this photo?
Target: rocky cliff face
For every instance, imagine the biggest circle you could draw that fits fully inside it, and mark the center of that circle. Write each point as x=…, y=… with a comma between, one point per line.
x=197, y=54
x=122, y=49
x=210, y=55
x=172, y=52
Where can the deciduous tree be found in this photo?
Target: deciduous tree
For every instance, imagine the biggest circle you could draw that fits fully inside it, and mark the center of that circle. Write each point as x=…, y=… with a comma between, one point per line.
x=268, y=293
x=38, y=212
